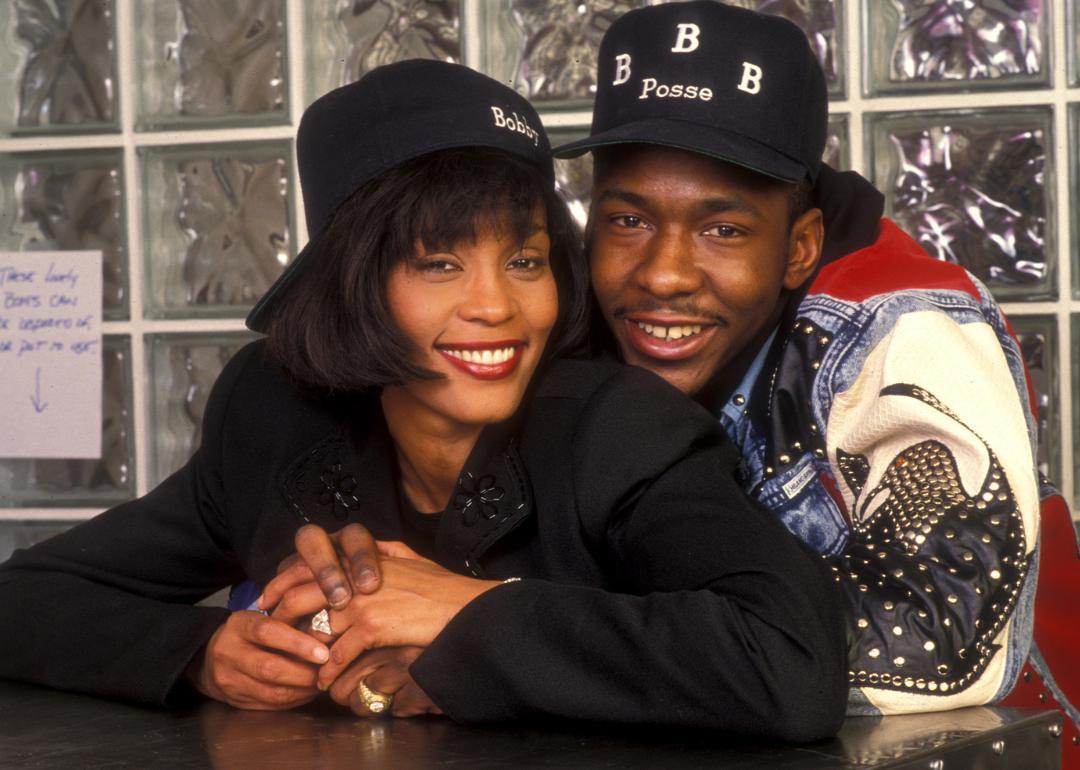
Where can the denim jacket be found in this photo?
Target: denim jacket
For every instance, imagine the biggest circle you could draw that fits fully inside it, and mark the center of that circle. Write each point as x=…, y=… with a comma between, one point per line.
x=888, y=423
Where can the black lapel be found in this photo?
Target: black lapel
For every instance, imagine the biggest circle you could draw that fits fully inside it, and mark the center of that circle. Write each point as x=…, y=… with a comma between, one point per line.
x=493, y=496
x=348, y=475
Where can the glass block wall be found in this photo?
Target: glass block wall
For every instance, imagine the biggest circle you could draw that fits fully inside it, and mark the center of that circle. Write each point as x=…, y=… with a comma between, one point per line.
x=160, y=132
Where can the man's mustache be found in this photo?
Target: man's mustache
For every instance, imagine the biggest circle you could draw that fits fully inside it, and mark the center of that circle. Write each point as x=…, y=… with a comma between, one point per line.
x=687, y=309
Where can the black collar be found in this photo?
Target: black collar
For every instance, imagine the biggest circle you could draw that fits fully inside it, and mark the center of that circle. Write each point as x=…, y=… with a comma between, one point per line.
x=351, y=475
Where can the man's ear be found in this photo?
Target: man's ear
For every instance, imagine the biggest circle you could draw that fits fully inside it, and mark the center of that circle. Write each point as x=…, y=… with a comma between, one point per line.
x=804, y=248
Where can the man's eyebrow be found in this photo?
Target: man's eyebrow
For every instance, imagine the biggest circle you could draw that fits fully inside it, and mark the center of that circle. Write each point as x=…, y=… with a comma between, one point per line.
x=736, y=204
x=717, y=205
x=622, y=196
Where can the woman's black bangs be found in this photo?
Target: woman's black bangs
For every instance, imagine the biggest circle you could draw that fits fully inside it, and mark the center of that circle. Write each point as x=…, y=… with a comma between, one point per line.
x=462, y=193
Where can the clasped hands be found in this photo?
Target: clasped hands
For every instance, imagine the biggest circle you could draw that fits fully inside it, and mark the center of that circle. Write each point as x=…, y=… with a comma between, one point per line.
x=386, y=604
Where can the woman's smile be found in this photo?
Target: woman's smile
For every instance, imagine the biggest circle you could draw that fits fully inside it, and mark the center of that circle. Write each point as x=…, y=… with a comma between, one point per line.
x=484, y=360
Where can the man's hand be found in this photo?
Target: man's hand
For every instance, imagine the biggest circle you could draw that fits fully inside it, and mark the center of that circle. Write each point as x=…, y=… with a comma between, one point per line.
x=341, y=564
x=256, y=662
x=385, y=670
x=418, y=598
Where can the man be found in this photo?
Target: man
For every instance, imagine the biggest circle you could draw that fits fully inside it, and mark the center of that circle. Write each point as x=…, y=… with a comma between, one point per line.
x=877, y=395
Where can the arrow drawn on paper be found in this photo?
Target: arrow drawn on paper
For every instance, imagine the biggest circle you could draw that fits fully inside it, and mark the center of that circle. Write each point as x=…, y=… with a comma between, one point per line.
x=39, y=405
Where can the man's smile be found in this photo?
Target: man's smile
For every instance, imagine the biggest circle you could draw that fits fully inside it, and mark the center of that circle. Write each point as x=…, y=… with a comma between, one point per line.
x=670, y=332
x=666, y=339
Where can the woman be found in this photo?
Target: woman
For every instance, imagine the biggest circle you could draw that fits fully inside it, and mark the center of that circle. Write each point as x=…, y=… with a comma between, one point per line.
x=411, y=382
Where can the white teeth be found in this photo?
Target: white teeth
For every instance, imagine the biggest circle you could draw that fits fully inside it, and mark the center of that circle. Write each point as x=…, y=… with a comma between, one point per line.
x=669, y=332
x=483, y=357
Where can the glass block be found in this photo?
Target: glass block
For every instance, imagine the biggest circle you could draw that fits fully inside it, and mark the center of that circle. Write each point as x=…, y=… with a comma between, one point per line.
x=217, y=226
x=1038, y=339
x=204, y=62
x=182, y=370
x=1072, y=38
x=1074, y=187
x=823, y=23
x=837, y=143
x=58, y=65
x=548, y=50
x=23, y=534
x=69, y=200
x=927, y=45
x=573, y=176
x=346, y=38
x=975, y=188
x=80, y=482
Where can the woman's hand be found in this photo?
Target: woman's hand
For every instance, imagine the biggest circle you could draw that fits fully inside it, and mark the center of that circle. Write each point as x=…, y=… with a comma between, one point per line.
x=386, y=671
x=256, y=662
x=418, y=598
x=415, y=601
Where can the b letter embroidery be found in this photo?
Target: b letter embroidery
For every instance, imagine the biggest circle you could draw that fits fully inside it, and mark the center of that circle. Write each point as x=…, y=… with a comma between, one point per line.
x=687, y=39
x=751, y=78
x=622, y=69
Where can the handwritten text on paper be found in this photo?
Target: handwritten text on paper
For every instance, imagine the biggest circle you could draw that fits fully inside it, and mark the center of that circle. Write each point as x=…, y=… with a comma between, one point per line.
x=50, y=353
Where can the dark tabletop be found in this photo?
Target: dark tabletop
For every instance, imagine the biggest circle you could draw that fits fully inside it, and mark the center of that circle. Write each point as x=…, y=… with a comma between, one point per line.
x=46, y=729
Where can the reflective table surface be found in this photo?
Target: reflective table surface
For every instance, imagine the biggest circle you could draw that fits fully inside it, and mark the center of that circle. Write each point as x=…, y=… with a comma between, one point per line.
x=46, y=729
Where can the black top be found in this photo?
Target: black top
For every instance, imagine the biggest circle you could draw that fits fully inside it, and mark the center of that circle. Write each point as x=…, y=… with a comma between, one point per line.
x=419, y=529
x=653, y=591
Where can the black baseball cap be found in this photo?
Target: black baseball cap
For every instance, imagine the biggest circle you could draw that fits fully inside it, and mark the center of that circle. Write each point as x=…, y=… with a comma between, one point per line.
x=711, y=78
x=393, y=114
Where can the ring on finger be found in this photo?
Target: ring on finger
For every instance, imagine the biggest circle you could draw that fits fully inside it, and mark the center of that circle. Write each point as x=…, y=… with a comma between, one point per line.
x=376, y=702
x=320, y=622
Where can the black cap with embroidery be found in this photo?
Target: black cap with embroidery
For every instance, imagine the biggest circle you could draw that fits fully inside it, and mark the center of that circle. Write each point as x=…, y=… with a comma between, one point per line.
x=393, y=114
x=702, y=76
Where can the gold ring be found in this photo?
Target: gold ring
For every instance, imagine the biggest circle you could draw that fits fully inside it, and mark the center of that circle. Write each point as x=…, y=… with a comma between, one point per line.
x=320, y=622
x=376, y=702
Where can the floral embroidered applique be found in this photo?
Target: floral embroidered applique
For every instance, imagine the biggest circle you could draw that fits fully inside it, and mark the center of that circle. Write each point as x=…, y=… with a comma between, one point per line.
x=477, y=496
x=338, y=491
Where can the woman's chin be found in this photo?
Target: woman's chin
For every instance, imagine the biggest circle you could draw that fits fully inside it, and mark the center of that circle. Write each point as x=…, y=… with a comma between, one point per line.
x=478, y=401
x=487, y=413
x=453, y=401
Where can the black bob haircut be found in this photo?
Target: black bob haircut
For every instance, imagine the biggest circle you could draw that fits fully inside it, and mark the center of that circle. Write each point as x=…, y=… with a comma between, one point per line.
x=333, y=329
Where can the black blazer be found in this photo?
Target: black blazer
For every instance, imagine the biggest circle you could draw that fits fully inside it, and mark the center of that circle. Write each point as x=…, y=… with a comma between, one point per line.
x=654, y=591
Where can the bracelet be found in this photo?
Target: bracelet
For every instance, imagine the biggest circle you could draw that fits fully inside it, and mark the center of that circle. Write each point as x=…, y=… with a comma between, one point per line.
x=511, y=580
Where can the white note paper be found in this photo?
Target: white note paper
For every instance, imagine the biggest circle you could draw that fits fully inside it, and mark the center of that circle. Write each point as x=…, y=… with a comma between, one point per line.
x=50, y=353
